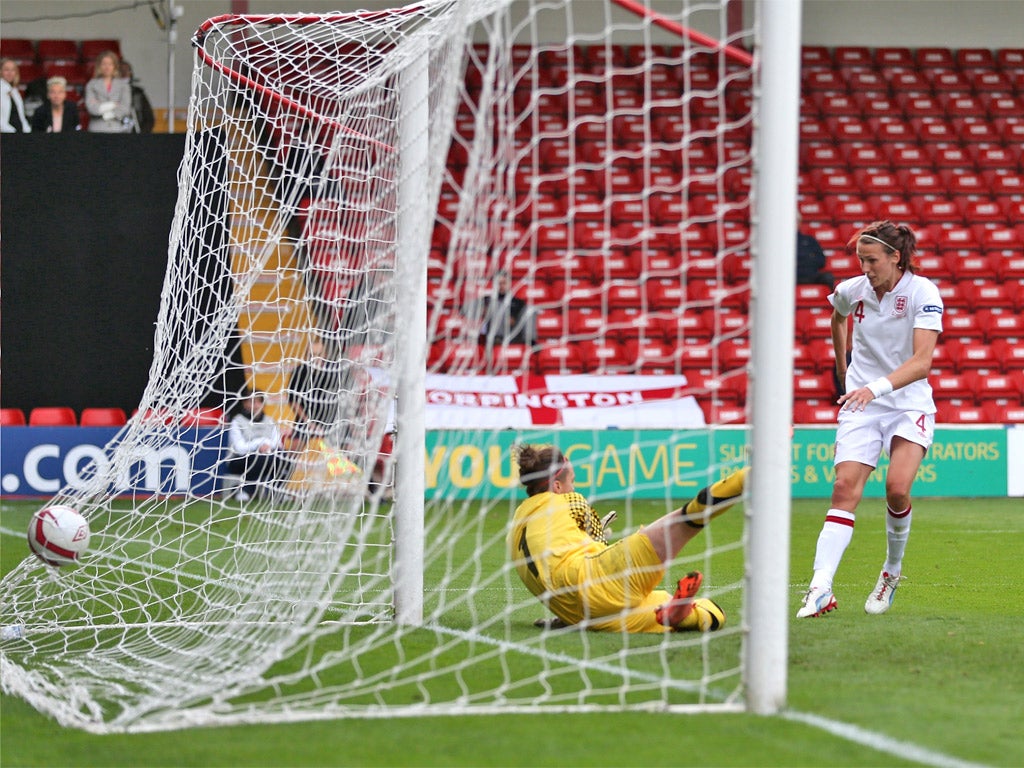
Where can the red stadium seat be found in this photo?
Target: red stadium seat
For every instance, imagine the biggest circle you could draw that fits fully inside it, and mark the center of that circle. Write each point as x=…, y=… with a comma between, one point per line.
x=984, y=211
x=993, y=238
x=934, y=130
x=822, y=353
x=634, y=322
x=968, y=264
x=65, y=51
x=920, y=104
x=987, y=294
x=948, y=156
x=848, y=128
x=940, y=211
x=1010, y=352
x=1004, y=413
x=55, y=416
x=962, y=324
x=971, y=355
x=893, y=57
x=1002, y=104
x=909, y=155
x=869, y=156
x=815, y=57
x=813, y=323
x=602, y=356
x=948, y=81
x=866, y=81
x=1009, y=266
x=824, y=80
x=907, y=80
x=203, y=417
x=648, y=354
x=510, y=359
x=934, y=57
x=1006, y=387
x=975, y=58
x=103, y=417
x=1010, y=59
x=813, y=386
x=1002, y=322
x=22, y=50
x=852, y=56
x=975, y=129
x=92, y=48
x=990, y=156
x=964, y=414
x=954, y=386
x=12, y=417
x=815, y=412
x=953, y=294
x=558, y=357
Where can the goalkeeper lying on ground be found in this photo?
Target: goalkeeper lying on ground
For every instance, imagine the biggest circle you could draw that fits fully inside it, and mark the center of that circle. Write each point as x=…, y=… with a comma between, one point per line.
x=559, y=548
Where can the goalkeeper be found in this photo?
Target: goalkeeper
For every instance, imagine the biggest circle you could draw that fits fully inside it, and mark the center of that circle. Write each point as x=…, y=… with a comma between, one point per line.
x=560, y=550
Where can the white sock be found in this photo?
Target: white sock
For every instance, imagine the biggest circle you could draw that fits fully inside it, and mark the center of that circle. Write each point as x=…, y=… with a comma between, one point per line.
x=835, y=536
x=897, y=531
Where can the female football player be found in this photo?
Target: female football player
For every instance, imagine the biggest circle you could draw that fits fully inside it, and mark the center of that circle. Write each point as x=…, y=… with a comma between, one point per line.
x=559, y=548
x=887, y=406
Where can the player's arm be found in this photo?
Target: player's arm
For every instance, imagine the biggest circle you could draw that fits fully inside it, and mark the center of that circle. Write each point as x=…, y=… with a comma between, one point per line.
x=840, y=343
x=918, y=366
x=920, y=363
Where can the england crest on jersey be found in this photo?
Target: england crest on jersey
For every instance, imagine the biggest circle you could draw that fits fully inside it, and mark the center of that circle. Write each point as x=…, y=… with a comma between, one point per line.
x=899, y=308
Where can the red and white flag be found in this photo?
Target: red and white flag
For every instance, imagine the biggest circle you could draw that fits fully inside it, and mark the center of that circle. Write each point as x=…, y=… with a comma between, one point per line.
x=579, y=402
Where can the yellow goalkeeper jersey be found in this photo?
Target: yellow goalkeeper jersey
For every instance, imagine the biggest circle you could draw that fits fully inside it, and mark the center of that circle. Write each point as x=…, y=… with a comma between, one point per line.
x=549, y=529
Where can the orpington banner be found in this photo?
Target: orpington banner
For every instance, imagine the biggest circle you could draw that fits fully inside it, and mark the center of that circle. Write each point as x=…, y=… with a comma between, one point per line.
x=579, y=402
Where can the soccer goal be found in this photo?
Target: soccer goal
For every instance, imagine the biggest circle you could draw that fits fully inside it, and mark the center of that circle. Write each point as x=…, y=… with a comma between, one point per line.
x=363, y=195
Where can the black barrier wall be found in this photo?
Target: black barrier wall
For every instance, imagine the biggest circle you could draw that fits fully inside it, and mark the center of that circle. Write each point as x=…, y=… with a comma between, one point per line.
x=85, y=221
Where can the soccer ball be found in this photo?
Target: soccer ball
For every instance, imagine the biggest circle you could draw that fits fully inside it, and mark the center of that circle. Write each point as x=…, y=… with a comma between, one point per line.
x=58, y=535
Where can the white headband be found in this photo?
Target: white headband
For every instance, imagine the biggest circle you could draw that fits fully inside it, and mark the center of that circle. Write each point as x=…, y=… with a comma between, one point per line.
x=878, y=240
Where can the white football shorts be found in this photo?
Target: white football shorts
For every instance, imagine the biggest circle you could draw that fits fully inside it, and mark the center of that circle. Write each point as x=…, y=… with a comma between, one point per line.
x=863, y=436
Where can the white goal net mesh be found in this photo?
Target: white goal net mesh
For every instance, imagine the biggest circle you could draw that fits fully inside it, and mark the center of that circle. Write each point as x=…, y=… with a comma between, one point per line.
x=591, y=160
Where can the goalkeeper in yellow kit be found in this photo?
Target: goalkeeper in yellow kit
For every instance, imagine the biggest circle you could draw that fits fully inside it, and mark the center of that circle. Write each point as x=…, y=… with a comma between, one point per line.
x=559, y=548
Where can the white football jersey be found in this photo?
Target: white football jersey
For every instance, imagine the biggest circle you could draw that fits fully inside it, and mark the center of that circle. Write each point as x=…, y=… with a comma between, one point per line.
x=883, y=334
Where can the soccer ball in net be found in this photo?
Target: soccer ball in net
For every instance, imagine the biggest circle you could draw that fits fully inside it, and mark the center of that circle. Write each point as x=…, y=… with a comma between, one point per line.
x=58, y=535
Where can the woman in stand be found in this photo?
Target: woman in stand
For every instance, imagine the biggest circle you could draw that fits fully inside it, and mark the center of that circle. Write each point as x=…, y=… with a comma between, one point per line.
x=887, y=406
x=57, y=115
x=108, y=97
x=12, y=108
x=256, y=444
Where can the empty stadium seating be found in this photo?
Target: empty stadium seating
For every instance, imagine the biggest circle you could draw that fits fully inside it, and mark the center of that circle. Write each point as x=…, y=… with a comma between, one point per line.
x=12, y=417
x=52, y=416
x=103, y=417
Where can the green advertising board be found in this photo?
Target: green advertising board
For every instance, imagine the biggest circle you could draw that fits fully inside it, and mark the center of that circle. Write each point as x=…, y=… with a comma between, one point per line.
x=673, y=464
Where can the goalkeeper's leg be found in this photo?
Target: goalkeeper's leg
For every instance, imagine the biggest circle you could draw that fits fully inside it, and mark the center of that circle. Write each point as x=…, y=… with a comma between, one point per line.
x=712, y=501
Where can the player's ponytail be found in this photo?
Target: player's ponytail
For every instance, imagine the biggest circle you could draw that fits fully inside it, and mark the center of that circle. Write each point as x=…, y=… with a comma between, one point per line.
x=537, y=465
x=895, y=238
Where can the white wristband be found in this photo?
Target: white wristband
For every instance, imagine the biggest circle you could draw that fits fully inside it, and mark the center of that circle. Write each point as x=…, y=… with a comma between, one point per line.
x=880, y=386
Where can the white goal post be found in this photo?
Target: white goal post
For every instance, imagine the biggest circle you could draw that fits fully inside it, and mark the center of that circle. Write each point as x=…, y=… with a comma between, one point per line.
x=359, y=191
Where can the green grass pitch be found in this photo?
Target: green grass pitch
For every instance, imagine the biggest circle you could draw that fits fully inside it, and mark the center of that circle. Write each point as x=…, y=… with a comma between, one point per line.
x=937, y=680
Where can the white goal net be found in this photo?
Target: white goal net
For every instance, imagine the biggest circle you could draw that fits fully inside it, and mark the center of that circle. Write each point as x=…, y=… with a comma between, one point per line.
x=360, y=191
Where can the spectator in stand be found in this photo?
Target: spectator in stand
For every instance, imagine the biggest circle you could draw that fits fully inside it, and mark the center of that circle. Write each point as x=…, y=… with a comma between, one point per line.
x=108, y=97
x=255, y=442
x=12, y=108
x=810, y=261
x=141, y=108
x=506, y=317
x=57, y=114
